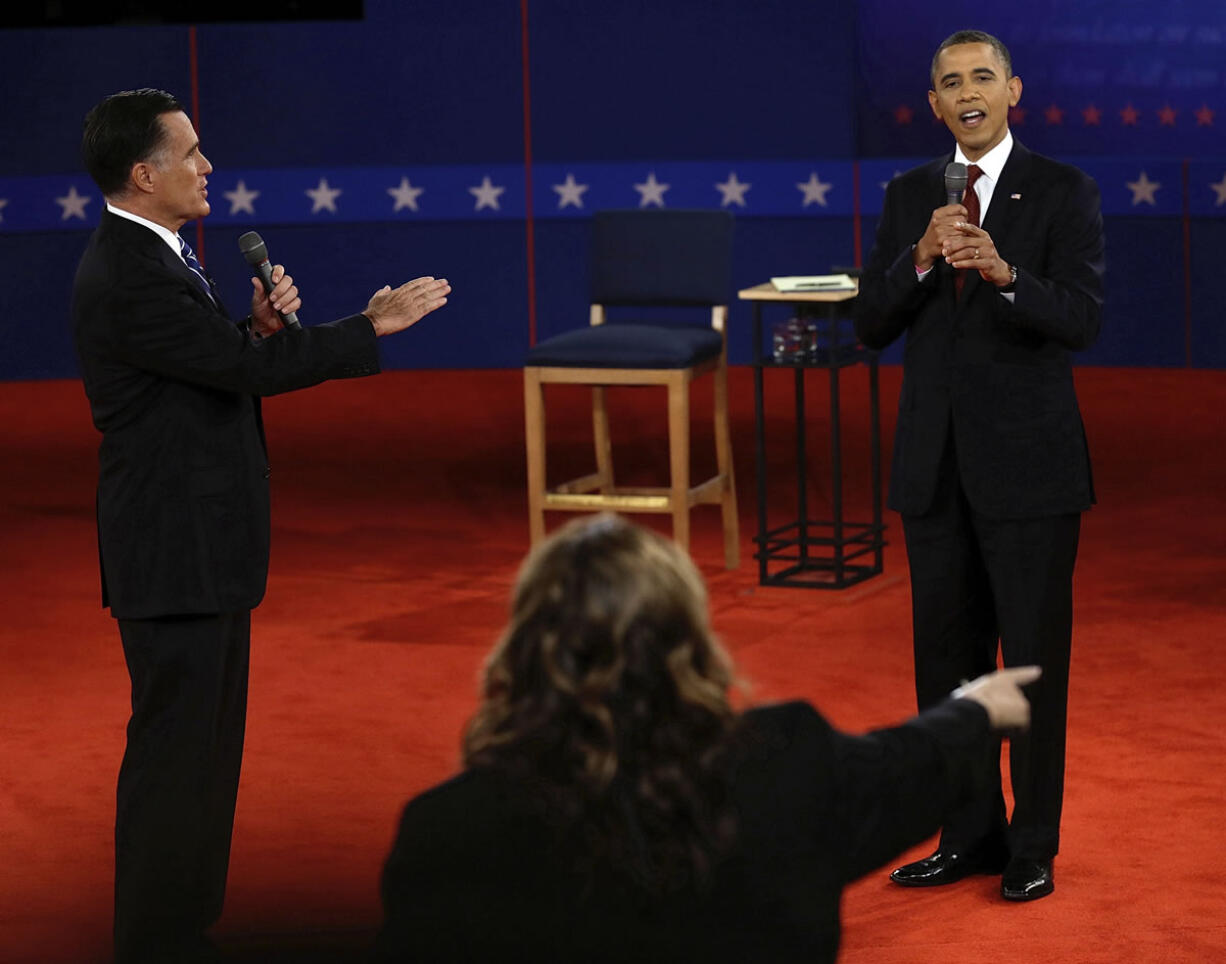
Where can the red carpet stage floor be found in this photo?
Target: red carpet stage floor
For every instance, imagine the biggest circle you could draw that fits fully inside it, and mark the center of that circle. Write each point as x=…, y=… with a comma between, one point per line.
x=399, y=520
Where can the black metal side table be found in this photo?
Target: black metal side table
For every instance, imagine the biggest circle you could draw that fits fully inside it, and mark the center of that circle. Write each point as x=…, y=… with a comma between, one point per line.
x=816, y=553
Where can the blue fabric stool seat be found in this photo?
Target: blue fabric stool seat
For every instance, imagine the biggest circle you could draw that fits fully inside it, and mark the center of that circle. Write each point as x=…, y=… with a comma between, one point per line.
x=628, y=346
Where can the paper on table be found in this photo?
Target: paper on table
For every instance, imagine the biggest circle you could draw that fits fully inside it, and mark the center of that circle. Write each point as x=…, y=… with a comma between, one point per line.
x=815, y=282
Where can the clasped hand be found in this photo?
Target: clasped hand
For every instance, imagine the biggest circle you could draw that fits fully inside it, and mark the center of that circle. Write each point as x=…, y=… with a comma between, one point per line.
x=962, y=245
x=265, y=305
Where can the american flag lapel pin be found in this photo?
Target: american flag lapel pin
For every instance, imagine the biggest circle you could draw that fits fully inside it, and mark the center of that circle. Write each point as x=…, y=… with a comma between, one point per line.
x=1015, y=197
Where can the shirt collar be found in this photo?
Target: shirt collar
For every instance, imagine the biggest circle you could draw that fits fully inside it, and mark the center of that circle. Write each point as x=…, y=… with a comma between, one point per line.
x=993, y=162
x=164, y=233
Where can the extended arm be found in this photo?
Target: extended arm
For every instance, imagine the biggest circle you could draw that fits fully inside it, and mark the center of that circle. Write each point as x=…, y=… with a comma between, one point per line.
x=151, y=321
x=897, y=784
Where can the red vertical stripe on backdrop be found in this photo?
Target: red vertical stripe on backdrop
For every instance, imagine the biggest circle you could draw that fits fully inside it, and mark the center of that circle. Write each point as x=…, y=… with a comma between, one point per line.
x=195, y=76
x=855, y=212
x=529, y=221
x=1187, y=268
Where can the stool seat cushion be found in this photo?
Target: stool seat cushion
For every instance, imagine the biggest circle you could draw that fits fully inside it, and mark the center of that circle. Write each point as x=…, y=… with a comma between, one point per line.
x=627, y=346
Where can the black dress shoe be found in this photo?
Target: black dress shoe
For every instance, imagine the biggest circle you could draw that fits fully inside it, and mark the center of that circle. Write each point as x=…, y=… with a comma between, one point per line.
x=950, y=866
x=1027, y=880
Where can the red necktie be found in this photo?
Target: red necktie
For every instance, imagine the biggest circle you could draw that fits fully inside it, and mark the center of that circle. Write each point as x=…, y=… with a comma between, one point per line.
x=970, y=201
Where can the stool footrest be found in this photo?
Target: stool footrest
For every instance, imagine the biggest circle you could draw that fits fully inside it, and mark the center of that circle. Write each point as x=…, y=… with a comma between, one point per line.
x=576, y=496
x=585, y=502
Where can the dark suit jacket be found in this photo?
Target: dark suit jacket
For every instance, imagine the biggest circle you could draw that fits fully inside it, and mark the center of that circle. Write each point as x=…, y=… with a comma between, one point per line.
x=183, y=515
x=1000, y=373
x=479, y=873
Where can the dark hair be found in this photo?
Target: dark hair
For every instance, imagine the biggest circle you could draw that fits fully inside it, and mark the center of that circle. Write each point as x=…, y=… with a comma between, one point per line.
x=124, y=129
x=609, y=693
x=972, y=37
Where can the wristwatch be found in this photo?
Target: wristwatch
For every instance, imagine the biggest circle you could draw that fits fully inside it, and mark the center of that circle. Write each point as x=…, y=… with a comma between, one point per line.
x=1006, y=289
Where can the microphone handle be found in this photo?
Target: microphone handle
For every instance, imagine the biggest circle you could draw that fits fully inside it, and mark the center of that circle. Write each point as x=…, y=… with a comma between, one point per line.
x=953, y=197
x=264, y=269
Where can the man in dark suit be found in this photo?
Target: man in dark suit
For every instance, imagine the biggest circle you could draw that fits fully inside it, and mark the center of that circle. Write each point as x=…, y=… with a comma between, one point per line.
x=183, y=500
x=991, y=470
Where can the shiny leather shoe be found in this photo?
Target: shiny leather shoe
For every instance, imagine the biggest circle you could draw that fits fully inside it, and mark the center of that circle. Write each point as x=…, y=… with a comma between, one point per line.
x=1027, y=880
x=950, y=866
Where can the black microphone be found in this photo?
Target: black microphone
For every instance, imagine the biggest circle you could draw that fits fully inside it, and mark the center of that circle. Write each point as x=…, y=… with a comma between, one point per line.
x=955, y=184
x=256, y=252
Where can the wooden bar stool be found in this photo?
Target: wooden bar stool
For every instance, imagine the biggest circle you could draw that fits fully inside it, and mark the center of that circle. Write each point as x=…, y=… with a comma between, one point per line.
x=643, y=259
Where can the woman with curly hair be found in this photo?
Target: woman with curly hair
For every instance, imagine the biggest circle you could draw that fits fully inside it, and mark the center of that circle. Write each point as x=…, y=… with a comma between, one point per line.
x=614, y=806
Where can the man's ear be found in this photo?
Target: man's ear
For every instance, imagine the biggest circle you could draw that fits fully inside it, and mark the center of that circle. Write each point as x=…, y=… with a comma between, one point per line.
x=932, y=102
x=1015, y=90
x=143, y=177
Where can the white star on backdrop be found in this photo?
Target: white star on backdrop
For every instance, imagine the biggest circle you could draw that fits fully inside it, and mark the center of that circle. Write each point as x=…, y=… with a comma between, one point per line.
x=73, y=204
x=3, y=202
x=733, y=191
x=885, y=184
x=1143, y=190
x=1220, y=190
x=569, y=192
x=323, y=196
x=241, y=199
x=486, y=194
x=814, y=190
x=651, y=191
x=406, y=195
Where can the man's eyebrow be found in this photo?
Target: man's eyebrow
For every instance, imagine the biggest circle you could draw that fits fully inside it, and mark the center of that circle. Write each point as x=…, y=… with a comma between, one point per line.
x=978, y=71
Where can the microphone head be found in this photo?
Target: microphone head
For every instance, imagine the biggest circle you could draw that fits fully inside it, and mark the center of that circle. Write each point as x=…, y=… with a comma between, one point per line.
x=255, y=251
x=955, y=180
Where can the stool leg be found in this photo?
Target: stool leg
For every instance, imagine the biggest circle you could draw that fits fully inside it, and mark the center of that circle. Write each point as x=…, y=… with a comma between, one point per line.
x=679, y=456
x=534, y=436
x=604, y=443
x=723, y=459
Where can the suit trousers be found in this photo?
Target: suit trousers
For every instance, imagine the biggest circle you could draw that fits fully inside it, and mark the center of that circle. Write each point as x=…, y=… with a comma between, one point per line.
x=178, y=782
x=976, y=581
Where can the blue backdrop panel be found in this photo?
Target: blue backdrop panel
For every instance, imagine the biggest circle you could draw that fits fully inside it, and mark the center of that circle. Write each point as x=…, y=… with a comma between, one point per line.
x=811, y=187
x=563, y=281
x=1143, y=315
x=337, y=194
x=691, y=79
x=35, y=286
x=1208, y=330
x=1099, y=76
x=50, y=78
x=483, y=325
x=342, y=142
x=412, y=83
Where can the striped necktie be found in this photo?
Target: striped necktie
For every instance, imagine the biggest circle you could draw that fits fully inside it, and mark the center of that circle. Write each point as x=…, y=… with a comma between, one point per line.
x=189, y=257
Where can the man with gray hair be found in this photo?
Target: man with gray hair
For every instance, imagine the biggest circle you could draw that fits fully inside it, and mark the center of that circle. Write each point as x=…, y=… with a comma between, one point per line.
x=183, y=499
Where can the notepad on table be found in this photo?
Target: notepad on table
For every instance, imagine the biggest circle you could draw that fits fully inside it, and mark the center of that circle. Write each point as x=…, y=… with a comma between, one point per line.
x=815, y=282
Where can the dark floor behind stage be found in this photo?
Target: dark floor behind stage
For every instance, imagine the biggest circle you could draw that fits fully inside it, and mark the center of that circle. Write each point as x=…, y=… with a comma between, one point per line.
x=399, y=517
